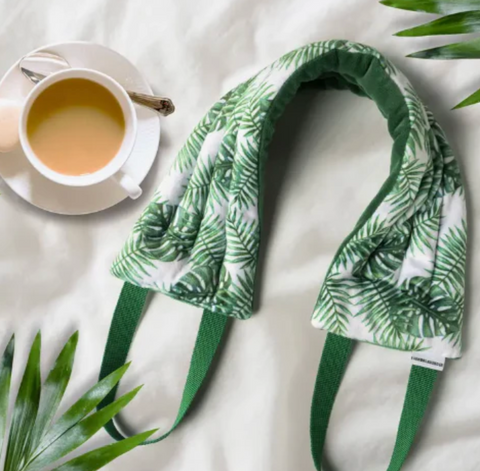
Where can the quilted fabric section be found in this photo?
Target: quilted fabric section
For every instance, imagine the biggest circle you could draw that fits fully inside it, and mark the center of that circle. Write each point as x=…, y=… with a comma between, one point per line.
x=397, y=280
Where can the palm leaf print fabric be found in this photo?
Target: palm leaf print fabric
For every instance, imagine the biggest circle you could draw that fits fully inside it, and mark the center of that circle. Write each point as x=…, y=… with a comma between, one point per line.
x=398, y=279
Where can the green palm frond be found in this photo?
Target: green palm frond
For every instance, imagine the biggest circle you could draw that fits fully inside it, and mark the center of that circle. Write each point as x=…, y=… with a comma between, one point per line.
x=417, y=115
x=229, y=104
x=209, y=248
x=429, y=185
x=425, y=228
x=449, y=270
x=404, y=193
x=387, y=257
x=427, y=322
x=376, y=301
x=154, y=222
x=450, y=304
x=236, y=297
x=224, y=108
x=457, y=23
x=243, y=240
x=197, y=191
x=362, y=244
x=441, y=7
x=220, y=185
x=452, y=176
x=37, y=440
x=394, y=320
x=222, y=173
x=252, y=108
x=305, y=54
x=226, y=152
x=461, y=17
x=332, y=305
x=198, y=284
x=418, y=287
x=244, y=186
x=188, y=154
x=132, y=262
x=179, y=238
x=151, y=243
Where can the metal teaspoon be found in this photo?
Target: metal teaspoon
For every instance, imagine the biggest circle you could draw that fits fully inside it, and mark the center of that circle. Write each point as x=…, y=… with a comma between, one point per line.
x=162, y=105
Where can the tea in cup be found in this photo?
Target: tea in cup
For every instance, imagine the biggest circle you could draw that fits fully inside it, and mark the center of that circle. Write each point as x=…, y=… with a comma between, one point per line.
x=78, y=128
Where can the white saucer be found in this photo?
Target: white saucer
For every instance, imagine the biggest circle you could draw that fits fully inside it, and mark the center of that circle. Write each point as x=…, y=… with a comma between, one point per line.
x=22, y=178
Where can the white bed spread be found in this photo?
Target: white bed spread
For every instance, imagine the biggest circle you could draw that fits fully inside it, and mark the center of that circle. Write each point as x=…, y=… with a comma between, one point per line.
x=331, y=148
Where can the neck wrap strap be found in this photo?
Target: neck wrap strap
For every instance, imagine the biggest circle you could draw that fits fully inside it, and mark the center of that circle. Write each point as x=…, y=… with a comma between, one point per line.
x=397, y=281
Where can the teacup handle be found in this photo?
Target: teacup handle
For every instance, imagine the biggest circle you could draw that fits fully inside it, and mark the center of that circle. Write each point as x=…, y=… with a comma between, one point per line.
x=127, y=184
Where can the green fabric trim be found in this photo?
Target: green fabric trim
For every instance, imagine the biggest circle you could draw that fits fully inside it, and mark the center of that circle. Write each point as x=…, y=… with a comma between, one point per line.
x=365, y=76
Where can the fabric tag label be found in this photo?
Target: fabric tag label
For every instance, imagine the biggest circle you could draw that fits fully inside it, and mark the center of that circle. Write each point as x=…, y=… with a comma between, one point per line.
x=428, y=361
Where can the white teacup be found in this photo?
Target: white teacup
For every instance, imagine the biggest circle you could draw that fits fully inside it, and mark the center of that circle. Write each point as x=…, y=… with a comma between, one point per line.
x=113, y=169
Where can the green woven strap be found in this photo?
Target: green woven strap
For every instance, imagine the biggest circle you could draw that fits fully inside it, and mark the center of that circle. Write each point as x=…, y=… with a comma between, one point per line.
x=330, y=373
x=124, y=323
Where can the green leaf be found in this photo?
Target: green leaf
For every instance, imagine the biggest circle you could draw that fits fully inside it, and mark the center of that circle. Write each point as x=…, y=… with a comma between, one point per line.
x=53, y=390
x=5, y=379
x=131, y=264
x=331, y=308
x=418, y=118
x=377, y=300
x=388, y=256
x=307, y=53
x=188, y=154
x=196, y=193
x=25, y=411
x=473, y=99
x=178, y=240
x=210, y=245
x=243, y=239
x=244, y=187
x=96, y=459
x=449, y=271
x=80, y=433
x=236, y=297
x=458, y=23
x=425, y=228
x=82, y=407
x=434, y=6
x=199, y=281
x=406, y=189
x=153, y=222
x=222, y=174
x=462, y=50
x=362, y=244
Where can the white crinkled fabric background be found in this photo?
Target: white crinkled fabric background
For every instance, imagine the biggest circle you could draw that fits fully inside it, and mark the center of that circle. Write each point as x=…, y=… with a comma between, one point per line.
x=328, y=159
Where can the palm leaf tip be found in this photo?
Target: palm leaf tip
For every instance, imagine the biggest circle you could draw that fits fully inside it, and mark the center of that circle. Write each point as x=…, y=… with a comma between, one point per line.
x=443, y=7
x=25, y=410
x=461, y=50
x=473, y=99
x=53, y=390
x=35, y=440
x=5, y=380
x=7, y=358
x=100, y=457
x=458, y=23
x=79, y=433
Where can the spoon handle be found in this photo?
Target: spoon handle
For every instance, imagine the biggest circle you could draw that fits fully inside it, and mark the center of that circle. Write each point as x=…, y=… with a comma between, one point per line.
x=162, y=105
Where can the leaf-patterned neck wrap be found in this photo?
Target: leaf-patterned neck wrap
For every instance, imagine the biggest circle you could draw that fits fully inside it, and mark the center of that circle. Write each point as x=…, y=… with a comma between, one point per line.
x=396, y=281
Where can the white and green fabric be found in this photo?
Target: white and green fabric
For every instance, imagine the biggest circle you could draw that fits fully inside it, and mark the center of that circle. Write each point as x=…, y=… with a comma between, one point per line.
x=397, y=281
